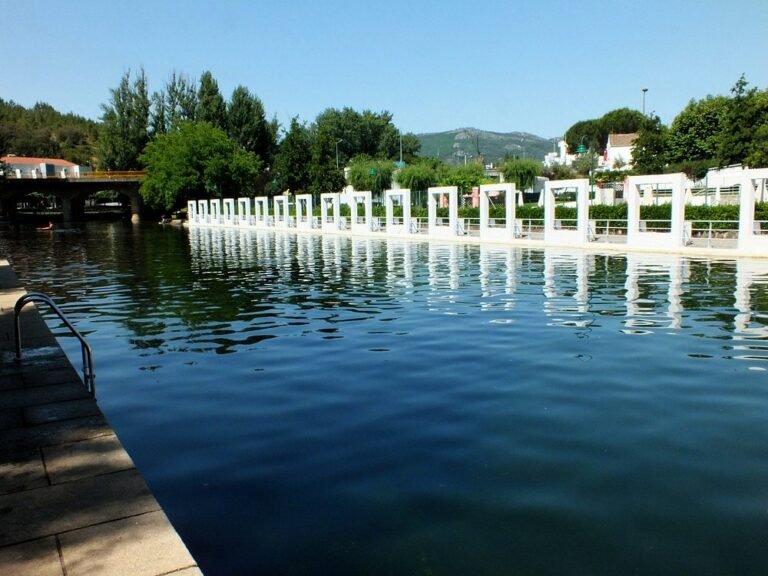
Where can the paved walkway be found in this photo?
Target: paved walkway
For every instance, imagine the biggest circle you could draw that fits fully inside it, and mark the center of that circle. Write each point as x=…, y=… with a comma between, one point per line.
x=71, y=500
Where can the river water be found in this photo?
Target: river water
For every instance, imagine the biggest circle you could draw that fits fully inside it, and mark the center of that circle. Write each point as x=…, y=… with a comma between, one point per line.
x=304, y=404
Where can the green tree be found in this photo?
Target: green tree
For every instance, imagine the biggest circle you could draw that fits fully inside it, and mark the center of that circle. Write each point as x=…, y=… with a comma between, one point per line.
x=125, y=122
x=43, y=131
x=585, y=163
x=695, y=132
x=649, y=153
x=758, y=150
x=465, y=176
x=558, y=172
x=522, y=172
x=417, y=177
x=586, y=132
x=741, y=118
x=621, y=121
x=758, y=155
x=366, y=173
x=196, y=160
x=211, y=107
x=247, y=124
x=411, y=147
x=158, y=123
x=323, y=173
x=594, y=133
x=364, y=134
x=180, y=100
x=291, y=165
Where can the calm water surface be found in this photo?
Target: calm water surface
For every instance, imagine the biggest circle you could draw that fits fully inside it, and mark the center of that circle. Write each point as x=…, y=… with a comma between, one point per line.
x=321, y=405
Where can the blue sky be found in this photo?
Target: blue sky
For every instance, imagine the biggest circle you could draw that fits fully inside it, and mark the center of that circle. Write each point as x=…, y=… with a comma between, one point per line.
x=536, y=66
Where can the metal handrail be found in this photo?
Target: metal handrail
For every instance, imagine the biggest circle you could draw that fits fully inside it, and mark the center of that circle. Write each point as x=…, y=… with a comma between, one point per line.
x=89, y=377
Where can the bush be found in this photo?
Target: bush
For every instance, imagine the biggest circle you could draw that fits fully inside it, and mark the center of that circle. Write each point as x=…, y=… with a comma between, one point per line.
x=600, y=212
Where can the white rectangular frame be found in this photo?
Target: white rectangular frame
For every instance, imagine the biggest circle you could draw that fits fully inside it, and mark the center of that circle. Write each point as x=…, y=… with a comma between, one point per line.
x=637, y=238
x=334, y=199
x=244, y=211
x=433, y=228
x=304, y=211
x=405, y=199
x=280, y=204
x=367, y=201
x=492, y=233
x=559, y=236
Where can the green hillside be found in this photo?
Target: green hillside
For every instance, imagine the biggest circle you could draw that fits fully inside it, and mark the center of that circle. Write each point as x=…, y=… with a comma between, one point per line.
x=451, y=146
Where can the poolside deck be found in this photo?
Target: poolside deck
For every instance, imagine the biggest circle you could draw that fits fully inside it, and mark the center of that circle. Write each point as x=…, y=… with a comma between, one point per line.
x=71, y=500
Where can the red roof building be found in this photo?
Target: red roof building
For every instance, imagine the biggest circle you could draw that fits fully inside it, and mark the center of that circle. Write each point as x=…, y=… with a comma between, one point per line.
x=31, y=167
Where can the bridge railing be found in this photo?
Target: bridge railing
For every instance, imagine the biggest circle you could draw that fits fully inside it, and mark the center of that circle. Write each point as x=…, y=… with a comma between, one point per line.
x=96, y=175
x=113, y=175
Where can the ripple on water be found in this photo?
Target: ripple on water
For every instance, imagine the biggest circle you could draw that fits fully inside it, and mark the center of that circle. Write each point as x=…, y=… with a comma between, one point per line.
x=329, y=405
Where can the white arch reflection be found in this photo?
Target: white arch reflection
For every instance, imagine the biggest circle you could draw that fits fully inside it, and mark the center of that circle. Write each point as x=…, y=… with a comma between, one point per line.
x=655, y=287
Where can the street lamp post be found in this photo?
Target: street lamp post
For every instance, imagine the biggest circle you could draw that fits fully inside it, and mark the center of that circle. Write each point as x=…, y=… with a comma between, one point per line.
x=337, y=151
x=644, y=91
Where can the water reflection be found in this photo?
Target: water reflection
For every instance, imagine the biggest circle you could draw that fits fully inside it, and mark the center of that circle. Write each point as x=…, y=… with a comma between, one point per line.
x=749, y=275
x=362, y=259
x=497, y=277
x=332, y=257
x=750, y=322
x=228, y=271
x=577, y=288
x=443, y=266
x=400, y=258
x=393, y=384
x=656, y=287
x=647, y=277
x=566, y=288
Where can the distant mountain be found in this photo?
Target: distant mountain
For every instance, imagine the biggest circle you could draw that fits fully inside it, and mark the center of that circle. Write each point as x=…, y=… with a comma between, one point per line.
x=451, y=146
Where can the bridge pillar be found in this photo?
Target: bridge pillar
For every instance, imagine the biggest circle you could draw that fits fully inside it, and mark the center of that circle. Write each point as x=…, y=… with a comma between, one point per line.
x=135, y=208
x=72, y=208
x=8, y=207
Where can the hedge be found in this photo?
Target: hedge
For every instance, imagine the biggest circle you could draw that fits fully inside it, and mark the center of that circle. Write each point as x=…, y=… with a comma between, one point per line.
x=599, y=212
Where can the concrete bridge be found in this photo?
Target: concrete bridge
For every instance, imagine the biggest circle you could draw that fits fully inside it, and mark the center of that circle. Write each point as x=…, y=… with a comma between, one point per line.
x=72, y=191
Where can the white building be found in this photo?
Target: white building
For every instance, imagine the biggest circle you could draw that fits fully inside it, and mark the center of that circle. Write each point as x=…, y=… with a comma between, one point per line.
x=28, y=167
x=561, y=157
x=618, y=151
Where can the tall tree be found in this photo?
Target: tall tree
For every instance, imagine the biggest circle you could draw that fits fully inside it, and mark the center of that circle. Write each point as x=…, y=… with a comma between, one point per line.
x=758, y=155
x=363, y=133
x=291, y=165
x=180, y=100
x=758, y=151
x=158, y=123
x=649, y=154
x=410, y=145
x=323, y=171
x=210, y=103
x=695, y=132
x=125, y=123
x=741, y=118
x=247, y=124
